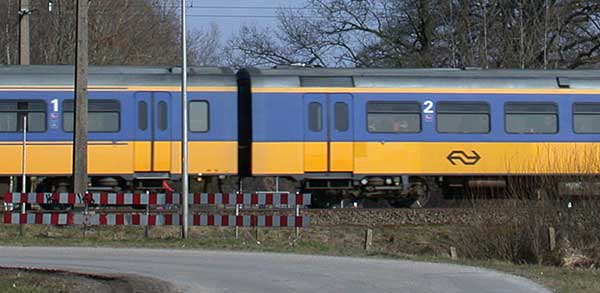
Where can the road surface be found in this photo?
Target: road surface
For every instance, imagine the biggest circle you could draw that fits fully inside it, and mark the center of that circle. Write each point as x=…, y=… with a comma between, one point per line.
x=225, y=271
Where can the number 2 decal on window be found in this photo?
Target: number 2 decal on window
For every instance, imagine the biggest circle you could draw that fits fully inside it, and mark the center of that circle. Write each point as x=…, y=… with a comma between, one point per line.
x=428, y=107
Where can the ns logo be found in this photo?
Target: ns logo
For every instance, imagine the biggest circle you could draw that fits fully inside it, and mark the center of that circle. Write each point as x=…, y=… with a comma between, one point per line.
x=461, y=157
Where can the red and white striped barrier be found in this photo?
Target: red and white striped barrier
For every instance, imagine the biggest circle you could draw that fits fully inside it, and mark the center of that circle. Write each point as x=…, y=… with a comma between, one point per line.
x=275, y=199
x=155, y=220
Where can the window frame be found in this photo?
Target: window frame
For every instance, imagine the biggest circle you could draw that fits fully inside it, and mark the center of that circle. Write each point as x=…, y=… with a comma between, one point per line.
x=346, y=108
x=158, y=114
x=419, y=112
x=207, y=115
x=488, y=113
x=89, y=101
x=573, y=113
x=557, y=114
x=321, y=114
x=27, y=111
x=139, y=116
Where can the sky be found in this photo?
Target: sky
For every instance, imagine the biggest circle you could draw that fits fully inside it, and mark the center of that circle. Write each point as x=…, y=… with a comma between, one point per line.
x=229, y=15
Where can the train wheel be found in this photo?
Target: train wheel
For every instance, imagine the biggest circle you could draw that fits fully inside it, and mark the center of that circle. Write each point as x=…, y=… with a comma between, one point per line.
x=421, y=195
x=425, y=193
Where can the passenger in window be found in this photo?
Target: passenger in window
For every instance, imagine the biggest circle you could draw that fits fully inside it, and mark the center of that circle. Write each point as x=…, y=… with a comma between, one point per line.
x=371, y=126
x=400, y=126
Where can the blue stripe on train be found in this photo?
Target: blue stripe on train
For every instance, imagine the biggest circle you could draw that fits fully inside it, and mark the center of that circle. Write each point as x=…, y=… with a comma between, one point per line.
x=279, y=117
x=222, y=108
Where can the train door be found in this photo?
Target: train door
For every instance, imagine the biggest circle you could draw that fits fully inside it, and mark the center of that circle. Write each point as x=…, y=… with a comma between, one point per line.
x=328, y=133
x=153, y=132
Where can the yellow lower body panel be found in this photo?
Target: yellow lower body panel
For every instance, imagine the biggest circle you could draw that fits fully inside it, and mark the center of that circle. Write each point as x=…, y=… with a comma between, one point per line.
x=315, y=157
x=301, y=157
x=453, y=158
x=277, y=158
x=48, y=158
x=476, y=158
x=55, y=158
x=207, y=157
x=341, y=157
x=143, y=153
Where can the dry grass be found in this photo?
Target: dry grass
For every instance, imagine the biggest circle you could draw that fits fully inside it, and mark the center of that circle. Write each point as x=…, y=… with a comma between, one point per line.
x=17, y=281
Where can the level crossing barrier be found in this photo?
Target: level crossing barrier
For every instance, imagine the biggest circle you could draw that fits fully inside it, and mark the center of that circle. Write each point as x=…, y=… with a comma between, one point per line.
x=274, y=202
x=274, y=199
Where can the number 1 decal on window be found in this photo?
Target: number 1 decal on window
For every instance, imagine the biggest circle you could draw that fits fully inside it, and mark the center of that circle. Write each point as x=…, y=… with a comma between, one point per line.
x=54, y=105
x=428, y=107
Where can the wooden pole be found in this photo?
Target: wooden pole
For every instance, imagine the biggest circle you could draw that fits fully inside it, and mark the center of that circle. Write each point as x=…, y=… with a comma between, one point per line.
x=80, y=119
x=24, y=39
x=552, y=238
x=368, y=239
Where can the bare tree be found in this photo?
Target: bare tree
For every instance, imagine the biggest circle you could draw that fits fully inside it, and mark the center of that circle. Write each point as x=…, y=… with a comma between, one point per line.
x=138, y=32
x=428, y=33
x=205, y=46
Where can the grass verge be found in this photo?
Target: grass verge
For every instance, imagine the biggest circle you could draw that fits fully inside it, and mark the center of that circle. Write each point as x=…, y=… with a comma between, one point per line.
x=18, y=281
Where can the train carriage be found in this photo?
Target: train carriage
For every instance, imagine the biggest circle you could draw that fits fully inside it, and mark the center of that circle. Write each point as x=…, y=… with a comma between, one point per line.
x=134, y=124
x=379, y=131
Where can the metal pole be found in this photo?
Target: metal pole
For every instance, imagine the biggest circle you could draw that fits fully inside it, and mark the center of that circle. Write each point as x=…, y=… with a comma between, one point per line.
x=24, y=166
x=80, y=135
x=184, y=118
x=24, y=40
x=24, y=169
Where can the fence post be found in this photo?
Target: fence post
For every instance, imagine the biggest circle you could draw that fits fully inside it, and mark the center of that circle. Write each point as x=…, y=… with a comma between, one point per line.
x=552, y=238
x=368, y=239
x=297, y=215
x=22, y=225
x=85, y=214
x=237, y=213
x=147, y=226
x=453, y=254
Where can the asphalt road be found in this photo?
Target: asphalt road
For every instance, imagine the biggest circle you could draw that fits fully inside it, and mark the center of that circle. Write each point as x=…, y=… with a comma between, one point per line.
x=224, y=271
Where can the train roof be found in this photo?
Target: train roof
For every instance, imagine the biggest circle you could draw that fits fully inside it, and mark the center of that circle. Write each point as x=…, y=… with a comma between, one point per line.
x=117, y=76
x=423, y=78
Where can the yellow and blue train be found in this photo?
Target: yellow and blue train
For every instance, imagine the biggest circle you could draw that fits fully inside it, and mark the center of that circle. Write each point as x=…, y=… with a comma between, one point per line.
x=350, y=132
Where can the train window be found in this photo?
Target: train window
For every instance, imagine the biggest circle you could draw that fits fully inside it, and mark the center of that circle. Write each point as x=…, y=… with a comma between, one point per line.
x=162, y=116
x=142, y=115
x=198, y=116
x=12, y=115
x=103, y=115
x=463, y=117
x=341, y=116
x=393, y=117
x=315, y=116
x=8, y=121
x=531, y=117
x=586, y=118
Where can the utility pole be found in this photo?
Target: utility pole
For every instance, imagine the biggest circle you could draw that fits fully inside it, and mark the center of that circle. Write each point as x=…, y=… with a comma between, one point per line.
x=80, y=133
x=184, y=143
x=24, y=12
